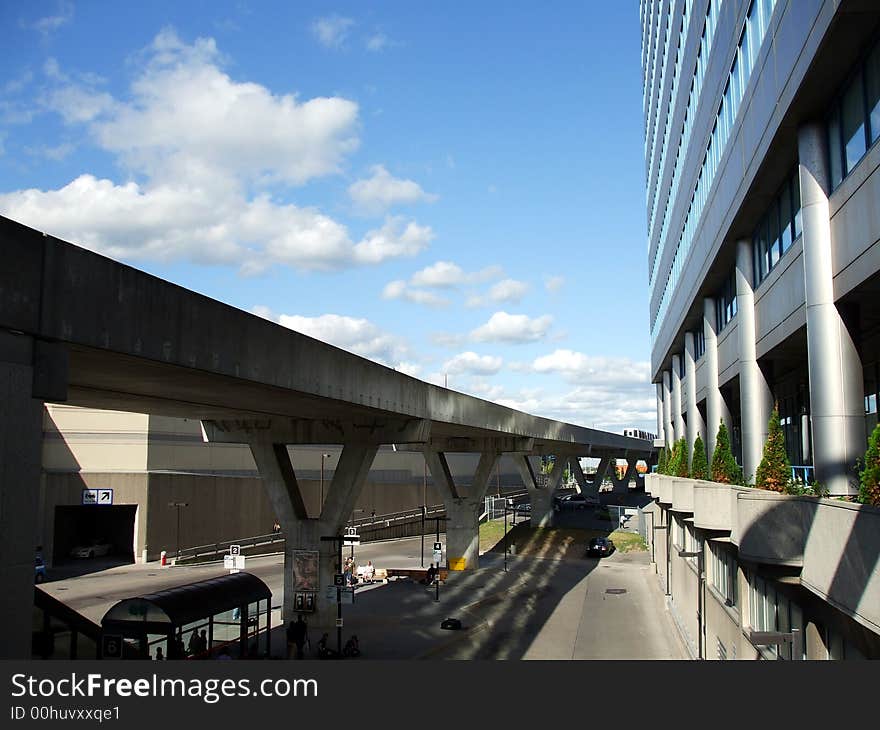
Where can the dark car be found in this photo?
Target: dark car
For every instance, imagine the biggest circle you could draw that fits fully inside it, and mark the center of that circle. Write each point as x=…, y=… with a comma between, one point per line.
x=600, y=547
x=575, y=501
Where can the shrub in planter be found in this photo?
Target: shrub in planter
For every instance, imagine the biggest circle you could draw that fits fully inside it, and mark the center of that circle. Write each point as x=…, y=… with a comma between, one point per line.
x=699, y=464
x=724, y=467
x=869, y=477
x=662, y=461
x=774, y=471
x=682, y=468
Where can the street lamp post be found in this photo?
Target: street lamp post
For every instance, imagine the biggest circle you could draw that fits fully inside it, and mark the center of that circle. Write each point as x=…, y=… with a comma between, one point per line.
x=178, y=505
x=321, y=506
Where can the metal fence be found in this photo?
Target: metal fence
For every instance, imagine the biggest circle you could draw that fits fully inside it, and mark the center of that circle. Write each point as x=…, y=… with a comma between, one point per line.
x=629, y=519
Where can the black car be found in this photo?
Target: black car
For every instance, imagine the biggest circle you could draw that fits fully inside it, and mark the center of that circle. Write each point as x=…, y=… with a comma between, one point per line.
x=575, y=501
x=600, y=547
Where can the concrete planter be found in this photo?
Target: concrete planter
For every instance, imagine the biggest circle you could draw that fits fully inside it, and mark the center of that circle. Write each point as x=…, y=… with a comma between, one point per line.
x=773, y=528
x=683, y=495
x=652, y=484
x=842, y=559
x=715, y=505
x=664, y=494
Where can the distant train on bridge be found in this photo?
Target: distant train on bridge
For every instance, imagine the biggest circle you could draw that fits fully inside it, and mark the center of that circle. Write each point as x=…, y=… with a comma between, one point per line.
x=639, y=434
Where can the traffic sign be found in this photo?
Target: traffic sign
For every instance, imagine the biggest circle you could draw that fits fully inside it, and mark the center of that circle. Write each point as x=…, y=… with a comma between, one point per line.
x=438, y=546
x=351, y=537
x=90, y=496
x=438, y=556
x=105, y=496
x=338, y=579
x=339, y=623
x=235, y=549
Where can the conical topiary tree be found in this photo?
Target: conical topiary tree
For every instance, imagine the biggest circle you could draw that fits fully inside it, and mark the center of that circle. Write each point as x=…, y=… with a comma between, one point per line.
x=683, y=467
x=774, y=471
x=662, y=459
x=699, y=464
x=869, y=477
x=724, y=467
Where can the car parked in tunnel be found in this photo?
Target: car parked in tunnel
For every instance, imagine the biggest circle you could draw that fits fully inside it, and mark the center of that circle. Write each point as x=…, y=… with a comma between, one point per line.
x=95, y=548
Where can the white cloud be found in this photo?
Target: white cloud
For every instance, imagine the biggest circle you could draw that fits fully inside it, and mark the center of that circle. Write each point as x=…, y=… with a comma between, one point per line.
x=58, y=152
x=446, y=274
x=187, y=134
x=554, y=283
x=332, y=30
x=377, y=42
x=507, y=290
x=359, y=336
x=399, y=290
x=50, y=23
x=447, y=339
x=189, y=120
x=395, y=238
x=577, y=367
x=472, y=363
x=383, y=190
x=513, y=328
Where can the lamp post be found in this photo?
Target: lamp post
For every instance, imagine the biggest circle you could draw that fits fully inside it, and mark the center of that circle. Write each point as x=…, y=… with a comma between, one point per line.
x=321, y=506
x=178, y=505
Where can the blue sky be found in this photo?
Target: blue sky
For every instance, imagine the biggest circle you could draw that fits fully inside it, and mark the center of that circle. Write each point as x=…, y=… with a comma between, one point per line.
x=456, y=190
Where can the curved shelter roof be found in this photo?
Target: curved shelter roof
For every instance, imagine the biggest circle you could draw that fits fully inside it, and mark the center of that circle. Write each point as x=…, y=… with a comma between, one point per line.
x=187, y=603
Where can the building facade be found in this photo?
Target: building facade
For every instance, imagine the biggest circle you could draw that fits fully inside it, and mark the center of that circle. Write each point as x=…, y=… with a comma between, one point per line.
x=763, y=217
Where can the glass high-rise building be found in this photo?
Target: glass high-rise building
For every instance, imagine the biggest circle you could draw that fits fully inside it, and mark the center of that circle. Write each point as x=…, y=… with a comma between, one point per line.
x=763, y=224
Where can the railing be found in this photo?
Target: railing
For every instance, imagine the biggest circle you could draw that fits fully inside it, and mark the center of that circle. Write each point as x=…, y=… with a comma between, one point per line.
x=802, y=473
x=216, y=548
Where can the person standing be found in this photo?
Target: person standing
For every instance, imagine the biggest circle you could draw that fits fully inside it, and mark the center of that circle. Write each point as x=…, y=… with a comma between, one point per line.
x=300, y=635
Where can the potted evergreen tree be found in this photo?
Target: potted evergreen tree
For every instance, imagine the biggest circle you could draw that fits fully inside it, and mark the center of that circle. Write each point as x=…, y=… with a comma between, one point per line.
x=869, y=477
x=724, y=468
x=699, y=465
x=774, y=471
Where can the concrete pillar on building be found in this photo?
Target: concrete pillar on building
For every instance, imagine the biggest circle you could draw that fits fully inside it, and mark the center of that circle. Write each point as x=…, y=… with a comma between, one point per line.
x=836, y=378
x=669, y=428
x=21, y=440
x=695, y=425
x=462, y=508
x=755, y=398
x=661, y=421
x=716, y=408
x=540, y=496
x=677, y=420
x=303, y=533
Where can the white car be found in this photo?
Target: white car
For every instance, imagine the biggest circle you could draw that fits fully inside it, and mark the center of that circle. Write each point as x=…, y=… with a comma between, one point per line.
x=95, y=549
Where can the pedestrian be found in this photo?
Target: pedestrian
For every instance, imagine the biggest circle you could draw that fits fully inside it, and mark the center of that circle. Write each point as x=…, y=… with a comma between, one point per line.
x=300, y=635
x=352, y=647
x=193, y=647
x=429, y=578
x=325, y=652
x=203, y=644
x=276, y=527
x=159, y=656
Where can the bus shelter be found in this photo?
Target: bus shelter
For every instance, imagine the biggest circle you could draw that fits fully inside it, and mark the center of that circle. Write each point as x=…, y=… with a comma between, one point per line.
x=224, y=617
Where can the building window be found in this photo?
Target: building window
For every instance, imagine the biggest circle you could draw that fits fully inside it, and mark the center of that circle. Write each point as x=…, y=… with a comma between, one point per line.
x=854, y=119
x=699, y=344
x=725, y=302
x=778, y=229
x=723, y=572
x=771, y=610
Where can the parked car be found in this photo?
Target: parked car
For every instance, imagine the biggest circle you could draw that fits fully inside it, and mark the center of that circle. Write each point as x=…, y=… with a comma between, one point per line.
x=39, y=570
x=524, y=507
x=600, y=547
x=575, y=501
x=93, y=549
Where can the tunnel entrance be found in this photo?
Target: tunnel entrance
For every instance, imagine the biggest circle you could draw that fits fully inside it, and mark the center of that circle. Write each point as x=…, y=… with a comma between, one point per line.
x=108, y=532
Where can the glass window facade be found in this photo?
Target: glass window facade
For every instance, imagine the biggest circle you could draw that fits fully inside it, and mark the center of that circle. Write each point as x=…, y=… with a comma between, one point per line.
x=853, y=123
x=725, y=302
x=778, y=229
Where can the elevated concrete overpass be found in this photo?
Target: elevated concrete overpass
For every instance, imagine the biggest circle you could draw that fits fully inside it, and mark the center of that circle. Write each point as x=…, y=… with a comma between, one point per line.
x=79, y=328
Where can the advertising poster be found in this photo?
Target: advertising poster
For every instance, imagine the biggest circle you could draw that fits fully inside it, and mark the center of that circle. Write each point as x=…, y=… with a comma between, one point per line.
x=305, y=570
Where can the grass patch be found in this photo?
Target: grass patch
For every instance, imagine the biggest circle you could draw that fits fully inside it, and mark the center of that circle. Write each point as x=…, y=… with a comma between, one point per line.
x=491, y=533
x=628, y=542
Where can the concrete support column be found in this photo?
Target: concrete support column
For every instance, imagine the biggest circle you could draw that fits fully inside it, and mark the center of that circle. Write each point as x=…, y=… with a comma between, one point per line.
x=836, y=378
x=578, y=474
x=462, y=508
x=21, y=439
x=301, y=532
x=756, y=400
x=677, y=420
x=540, y=497
x=716, y=408
x=695, y=425
x=669, y=428
x=638, y=476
